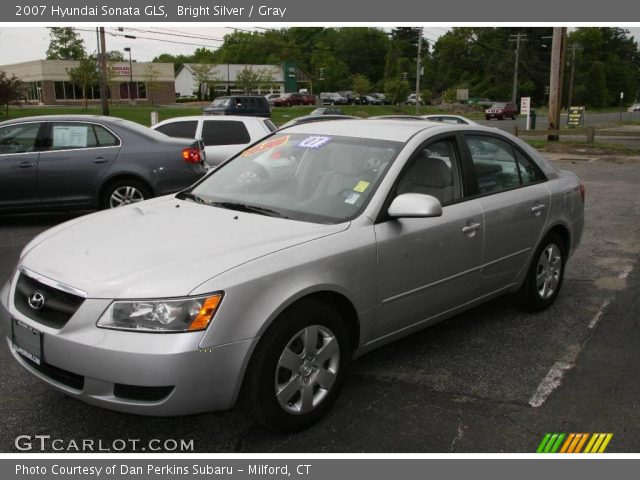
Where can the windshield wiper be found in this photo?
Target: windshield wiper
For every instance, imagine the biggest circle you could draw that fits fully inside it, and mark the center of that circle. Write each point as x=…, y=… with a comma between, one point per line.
x=244, y=207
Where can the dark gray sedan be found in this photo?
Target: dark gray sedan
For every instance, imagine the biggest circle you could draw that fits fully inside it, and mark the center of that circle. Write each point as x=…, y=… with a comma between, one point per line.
x=87, y=162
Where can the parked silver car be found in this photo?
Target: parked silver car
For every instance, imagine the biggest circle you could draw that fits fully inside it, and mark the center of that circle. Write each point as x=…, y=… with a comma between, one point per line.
x=266, y=278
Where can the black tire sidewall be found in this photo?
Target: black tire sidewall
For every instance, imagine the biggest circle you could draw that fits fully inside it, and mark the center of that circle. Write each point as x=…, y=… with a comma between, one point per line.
x=259, y=397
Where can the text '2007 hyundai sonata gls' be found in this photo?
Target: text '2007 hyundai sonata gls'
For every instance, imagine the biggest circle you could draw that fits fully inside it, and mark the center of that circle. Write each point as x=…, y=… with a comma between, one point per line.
x=267, y=277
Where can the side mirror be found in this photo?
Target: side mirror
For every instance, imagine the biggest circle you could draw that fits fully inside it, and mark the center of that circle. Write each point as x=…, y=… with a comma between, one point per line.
x=415, y=205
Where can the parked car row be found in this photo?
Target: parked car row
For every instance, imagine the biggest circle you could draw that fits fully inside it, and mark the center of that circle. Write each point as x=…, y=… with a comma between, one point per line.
x=264, y=279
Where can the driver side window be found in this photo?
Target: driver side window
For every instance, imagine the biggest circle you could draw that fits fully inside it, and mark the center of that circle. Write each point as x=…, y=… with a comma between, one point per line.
x=431, y=172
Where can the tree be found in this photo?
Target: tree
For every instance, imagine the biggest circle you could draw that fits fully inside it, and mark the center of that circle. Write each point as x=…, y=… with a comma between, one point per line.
x=11, y=90
x=360, y=84
x=115, y=56
x=151, y=76
x=397, y=90
x=251, y=79
x=65, y=44
x=84, y=76
x=204, y=74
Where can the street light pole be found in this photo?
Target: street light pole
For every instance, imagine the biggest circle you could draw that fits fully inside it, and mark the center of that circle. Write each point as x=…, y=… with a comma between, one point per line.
x=128, y=49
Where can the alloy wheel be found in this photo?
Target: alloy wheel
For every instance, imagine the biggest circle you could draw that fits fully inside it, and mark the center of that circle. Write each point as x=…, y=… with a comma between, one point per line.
x=307, y=369
x=548, y=271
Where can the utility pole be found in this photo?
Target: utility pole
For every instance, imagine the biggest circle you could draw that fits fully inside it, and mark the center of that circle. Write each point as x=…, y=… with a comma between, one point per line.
x=573, y=47
x=555, y=79
x=418, y=71
x=516, y=37
x=104, y=88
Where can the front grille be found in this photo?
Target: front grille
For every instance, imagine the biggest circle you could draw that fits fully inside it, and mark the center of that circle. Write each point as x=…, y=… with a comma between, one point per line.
x=135, y=392
x=58, y=306
x=65, y=377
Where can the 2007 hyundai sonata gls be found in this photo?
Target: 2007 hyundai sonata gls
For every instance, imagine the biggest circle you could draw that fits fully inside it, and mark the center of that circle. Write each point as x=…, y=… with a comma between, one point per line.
x=267, y=277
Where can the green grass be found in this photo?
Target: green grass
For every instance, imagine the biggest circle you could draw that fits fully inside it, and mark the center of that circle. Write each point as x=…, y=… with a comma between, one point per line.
x=583, y=147
x=142, y=113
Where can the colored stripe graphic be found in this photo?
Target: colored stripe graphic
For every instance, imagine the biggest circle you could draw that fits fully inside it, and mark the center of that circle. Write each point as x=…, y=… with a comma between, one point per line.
x=574, y=443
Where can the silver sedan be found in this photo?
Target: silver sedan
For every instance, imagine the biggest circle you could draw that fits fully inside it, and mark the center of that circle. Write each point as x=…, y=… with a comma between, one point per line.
x=266, y=278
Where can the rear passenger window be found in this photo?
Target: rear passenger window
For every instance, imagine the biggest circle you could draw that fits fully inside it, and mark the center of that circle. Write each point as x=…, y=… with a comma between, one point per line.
x=224, y=132
x=67, y=135
x=105, y=137
x=528, y=172
x=185, y=129
x=498, y=166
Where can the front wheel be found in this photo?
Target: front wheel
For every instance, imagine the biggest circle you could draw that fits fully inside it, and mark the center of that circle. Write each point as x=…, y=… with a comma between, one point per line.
x=545, y=275
x=298, y=367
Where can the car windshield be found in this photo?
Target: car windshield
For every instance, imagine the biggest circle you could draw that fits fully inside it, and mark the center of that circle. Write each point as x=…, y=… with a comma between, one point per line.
x=221, y=102
x=314, y=178
x=498, y=105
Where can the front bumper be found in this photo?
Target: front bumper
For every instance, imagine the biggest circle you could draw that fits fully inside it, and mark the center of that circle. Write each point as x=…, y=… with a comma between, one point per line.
x=201, y=379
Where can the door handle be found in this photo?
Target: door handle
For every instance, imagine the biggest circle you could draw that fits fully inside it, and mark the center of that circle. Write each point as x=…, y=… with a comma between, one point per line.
x=537, y=210
x=470, y=229
x=100, y=160
x=26, y=165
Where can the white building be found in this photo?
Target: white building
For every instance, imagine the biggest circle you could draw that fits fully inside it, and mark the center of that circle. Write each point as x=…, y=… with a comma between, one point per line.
x=224, y=78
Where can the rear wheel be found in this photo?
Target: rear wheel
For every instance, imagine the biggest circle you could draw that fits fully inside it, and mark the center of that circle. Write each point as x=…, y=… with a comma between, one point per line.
x=298, y=367
x=124, y=192
x=545, y=275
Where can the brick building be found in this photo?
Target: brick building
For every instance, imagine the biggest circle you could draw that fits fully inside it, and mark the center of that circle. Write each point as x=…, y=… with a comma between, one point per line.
x=47, y=82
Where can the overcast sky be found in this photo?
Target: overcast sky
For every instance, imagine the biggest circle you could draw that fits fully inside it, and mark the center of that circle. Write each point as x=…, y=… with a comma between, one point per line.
x=21, y=44
x=34, y=41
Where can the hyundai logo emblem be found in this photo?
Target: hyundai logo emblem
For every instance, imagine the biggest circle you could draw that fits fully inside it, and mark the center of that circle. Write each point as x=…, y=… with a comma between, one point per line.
x=36, y=300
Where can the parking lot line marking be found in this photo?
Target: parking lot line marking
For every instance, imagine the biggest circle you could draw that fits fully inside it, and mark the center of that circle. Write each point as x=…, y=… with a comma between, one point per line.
x=549, y=383
x=594, y=321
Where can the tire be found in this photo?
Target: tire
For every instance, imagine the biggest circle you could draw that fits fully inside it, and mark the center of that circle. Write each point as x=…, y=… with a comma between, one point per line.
x=315, y=381
x=544, y=280
x=124, y=192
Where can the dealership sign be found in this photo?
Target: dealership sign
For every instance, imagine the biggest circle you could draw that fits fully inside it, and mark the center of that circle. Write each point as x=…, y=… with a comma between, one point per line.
x=121, y=70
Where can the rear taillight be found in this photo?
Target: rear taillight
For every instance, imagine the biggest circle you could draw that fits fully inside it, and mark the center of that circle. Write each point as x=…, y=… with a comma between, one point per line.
x=582, y=191
x=191, y=155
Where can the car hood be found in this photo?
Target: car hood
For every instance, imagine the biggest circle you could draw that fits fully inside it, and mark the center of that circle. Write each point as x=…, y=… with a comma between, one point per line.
x=162, y=247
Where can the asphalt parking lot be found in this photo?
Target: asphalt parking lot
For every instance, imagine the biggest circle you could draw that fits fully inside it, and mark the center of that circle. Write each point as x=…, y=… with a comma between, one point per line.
x=493, y=379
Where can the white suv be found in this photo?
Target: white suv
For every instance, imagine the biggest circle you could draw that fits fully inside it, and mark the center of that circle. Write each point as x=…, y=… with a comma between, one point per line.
x=223, y=136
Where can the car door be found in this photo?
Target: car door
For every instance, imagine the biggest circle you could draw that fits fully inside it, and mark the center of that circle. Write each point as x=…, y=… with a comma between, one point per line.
x=515, y=201
x=77, y=156
x=427, y=266
x=19, y=145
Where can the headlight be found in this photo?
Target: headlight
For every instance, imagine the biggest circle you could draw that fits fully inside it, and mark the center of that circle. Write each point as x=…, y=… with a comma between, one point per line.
x=174, y=315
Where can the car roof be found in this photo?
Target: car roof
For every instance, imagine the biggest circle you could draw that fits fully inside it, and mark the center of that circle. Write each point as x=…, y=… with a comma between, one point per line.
x=67, y=118
x=213, y=118
x=394, y=130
